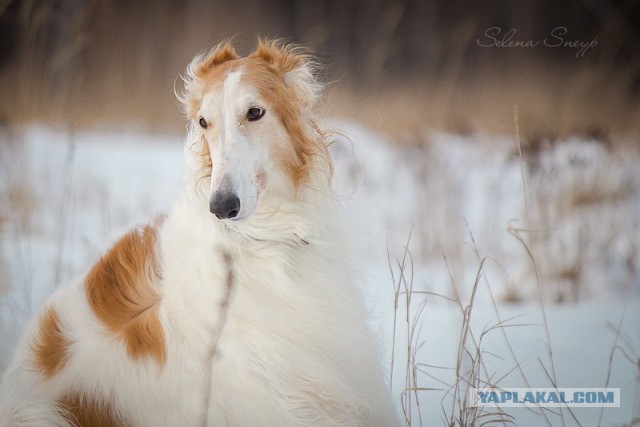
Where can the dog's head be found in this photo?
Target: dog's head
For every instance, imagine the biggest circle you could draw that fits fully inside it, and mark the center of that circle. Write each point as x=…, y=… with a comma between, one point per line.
x=251, y=126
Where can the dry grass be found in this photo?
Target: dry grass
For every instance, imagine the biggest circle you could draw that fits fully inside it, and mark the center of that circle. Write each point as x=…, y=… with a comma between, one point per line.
x=108, y=64
x=469, y=366
x=470, y=369
x=589, y=101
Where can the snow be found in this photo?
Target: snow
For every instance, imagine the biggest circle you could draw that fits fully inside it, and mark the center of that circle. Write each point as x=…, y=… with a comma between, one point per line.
x=454, y=199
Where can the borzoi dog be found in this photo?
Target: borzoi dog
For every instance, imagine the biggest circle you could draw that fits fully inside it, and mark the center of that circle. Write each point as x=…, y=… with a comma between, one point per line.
x=238, y=307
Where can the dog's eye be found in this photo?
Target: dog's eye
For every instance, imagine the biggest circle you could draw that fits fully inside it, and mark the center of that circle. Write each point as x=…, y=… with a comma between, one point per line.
x=255, y=113
x=203, y=123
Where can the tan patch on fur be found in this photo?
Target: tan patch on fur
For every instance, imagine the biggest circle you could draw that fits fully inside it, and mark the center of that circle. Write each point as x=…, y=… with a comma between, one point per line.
x=120, y=290
x=266, y=69
x=51, y=348
x=81, y=411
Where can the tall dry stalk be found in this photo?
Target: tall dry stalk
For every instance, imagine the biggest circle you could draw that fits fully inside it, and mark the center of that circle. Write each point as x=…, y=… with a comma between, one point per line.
x=528, y=248
x=470, y=369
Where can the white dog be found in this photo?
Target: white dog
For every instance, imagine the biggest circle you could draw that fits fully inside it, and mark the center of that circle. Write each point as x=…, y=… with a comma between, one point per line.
x=236, y=309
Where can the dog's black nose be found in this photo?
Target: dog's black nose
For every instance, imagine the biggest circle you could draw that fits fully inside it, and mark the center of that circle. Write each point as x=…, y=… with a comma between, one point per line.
x=224, y=205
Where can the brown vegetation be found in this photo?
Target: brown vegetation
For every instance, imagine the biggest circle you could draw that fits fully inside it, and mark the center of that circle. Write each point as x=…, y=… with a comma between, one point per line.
x=400, y=66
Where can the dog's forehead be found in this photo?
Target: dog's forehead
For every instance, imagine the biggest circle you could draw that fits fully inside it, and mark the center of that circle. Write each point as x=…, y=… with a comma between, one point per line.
x=235, y=80
x=251, y=68
x=224, y=93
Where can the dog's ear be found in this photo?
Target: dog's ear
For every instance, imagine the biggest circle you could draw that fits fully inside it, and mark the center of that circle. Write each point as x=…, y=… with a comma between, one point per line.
x=220, y=54
x=295, y=67
x=197, y=72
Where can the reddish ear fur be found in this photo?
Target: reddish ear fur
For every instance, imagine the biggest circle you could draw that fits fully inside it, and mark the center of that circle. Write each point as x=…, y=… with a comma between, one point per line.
x=219, y=55
x=294, y=67
x=282, y=58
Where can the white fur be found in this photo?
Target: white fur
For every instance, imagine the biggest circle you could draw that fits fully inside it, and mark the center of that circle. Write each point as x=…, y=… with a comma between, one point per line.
x=291, y=347
x=238, y=157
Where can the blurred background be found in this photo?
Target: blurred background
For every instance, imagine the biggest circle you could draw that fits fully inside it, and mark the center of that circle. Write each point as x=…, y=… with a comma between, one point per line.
x=401, y=66
x=488, y=155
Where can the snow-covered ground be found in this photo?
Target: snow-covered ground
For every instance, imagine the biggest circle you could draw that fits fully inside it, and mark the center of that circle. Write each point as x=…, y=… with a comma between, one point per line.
x=456, y=199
